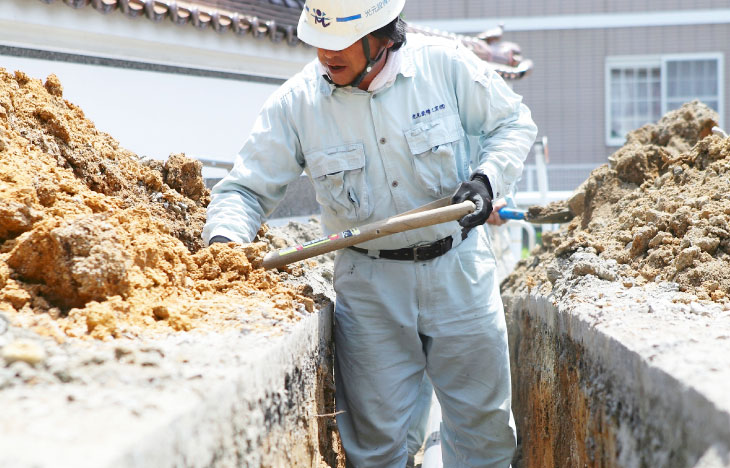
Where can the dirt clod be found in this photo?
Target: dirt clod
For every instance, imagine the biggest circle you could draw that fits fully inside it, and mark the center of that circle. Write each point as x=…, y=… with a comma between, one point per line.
x=96, y=243
x=24, y=351
x=658, y=210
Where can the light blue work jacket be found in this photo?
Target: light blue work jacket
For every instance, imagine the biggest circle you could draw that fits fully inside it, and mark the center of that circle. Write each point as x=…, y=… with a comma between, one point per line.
x=371, y=155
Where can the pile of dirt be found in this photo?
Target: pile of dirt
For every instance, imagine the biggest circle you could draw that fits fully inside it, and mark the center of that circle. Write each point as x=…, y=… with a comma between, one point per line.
x=95, y=242
x=659, y=212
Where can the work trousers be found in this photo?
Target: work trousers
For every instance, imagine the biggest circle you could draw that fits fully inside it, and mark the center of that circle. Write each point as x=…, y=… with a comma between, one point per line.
x=395, y=320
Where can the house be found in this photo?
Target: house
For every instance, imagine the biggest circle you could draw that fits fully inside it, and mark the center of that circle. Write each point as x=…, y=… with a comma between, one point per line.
x=167, y=76
x=158, y=76
x=600, y=68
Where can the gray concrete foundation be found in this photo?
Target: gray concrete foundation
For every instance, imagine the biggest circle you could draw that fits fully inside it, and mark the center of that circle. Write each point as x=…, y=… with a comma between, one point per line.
x=610, y=376
x=205, y=400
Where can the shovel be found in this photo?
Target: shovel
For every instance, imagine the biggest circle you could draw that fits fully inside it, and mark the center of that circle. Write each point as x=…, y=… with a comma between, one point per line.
x=440, y=211
x=554, y=217
x=535, y=214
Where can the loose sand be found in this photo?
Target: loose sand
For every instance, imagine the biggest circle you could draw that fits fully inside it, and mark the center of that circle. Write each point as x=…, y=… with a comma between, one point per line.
x=659, y=212
x=96, y=243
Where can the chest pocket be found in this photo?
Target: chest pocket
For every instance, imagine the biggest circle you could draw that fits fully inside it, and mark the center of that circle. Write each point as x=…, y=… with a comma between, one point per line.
x=338, y=176
x=434, y=160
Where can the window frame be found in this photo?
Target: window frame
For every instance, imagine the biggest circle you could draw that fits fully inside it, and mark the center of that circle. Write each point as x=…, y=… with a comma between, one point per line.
x=660, y=60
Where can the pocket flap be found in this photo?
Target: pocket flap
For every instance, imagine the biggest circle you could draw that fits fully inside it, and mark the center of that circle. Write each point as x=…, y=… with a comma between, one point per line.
x=336, y=159
x=427, y=135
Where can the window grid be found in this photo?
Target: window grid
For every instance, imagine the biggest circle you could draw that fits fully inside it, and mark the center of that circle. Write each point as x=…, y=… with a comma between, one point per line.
x=635, y=98
x=641, y=89
x=691, y=79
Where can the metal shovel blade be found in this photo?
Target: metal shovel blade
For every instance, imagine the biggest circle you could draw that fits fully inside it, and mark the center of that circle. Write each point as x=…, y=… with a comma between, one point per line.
x=552, y=217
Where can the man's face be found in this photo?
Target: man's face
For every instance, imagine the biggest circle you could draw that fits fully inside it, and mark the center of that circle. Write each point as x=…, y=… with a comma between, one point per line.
x=345, y=65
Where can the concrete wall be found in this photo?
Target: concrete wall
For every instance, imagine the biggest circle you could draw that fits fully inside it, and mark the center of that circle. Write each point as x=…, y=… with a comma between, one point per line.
x=262, y=399
x=158, y=88
x=569, y=41
x=505, y=8
x=610, y=376
x=566, y=92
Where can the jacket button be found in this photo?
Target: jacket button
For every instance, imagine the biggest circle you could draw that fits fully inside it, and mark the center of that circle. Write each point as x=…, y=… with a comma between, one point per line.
x=394, y=184
x=382, y=140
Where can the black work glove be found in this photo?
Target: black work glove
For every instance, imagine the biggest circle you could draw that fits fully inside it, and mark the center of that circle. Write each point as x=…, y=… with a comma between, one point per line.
x=479, y=191
x=221, y=239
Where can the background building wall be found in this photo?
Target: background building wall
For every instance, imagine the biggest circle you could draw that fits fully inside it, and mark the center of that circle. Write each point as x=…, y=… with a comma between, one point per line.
x=567, y=89
x=439, y=9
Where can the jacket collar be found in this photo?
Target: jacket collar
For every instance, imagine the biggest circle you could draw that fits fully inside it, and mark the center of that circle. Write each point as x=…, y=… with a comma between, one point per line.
x=407, y=69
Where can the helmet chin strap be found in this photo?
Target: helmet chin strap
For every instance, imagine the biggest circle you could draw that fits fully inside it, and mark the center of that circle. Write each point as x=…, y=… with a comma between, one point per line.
x=368, y=67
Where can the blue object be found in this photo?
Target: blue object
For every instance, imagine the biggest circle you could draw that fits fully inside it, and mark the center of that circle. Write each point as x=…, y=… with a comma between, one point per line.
x=511, y=213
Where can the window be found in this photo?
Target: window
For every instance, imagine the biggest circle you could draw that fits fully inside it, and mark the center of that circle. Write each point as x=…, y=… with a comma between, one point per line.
x=692, y=79
x=639, y=90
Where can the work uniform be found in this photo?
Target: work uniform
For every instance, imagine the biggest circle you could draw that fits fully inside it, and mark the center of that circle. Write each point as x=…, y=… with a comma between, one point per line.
x=371, y=155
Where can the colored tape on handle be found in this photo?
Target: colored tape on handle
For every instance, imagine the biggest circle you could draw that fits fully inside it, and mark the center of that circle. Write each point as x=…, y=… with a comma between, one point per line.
x=511, y=213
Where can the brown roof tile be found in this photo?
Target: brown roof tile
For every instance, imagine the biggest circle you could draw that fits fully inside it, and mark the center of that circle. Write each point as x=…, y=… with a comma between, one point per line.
x=277, y=19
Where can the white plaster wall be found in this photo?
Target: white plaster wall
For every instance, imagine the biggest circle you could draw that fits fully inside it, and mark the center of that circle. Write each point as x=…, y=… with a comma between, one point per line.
x=152, y=113
x=57, y=27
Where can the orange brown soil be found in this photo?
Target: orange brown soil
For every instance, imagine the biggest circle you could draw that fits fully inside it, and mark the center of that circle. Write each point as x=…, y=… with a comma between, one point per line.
x=95, y=242
x=660, y=209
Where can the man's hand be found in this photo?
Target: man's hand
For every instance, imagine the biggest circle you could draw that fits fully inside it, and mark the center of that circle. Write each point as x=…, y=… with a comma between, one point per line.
x=495, y=219
x=478, y=191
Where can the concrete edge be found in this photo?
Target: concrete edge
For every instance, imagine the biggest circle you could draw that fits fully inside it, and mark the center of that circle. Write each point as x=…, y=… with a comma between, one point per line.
x=245, y=420
x=703, y=426
x=245, y=400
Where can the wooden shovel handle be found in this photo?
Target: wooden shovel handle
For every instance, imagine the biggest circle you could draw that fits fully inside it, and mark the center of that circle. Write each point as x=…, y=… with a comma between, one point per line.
x=413, y=219
x=440, y=203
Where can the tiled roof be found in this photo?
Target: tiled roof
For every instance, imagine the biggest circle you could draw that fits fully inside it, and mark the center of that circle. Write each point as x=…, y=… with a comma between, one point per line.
x=278, y=19
x=504, y=57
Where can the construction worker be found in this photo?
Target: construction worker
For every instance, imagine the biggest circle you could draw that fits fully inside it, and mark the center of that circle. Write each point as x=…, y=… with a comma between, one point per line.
x=379, y=122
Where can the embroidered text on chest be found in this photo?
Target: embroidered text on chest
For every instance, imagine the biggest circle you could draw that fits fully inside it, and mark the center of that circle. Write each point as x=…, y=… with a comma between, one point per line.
x=428, y=111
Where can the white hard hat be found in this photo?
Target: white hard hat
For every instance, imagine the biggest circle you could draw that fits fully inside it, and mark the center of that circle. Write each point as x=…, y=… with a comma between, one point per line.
x=337, y=24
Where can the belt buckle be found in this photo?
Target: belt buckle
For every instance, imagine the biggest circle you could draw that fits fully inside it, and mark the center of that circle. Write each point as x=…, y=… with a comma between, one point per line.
x=425, y=249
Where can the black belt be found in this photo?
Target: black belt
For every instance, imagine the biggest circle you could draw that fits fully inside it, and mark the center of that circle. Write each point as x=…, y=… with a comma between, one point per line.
x=421, y=252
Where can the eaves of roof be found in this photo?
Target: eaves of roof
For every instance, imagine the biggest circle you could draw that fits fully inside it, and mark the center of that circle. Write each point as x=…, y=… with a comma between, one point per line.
x=278, y=19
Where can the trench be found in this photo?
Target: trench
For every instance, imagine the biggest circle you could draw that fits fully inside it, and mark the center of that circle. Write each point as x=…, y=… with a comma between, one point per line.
x=242, y=401
x=588, y=396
